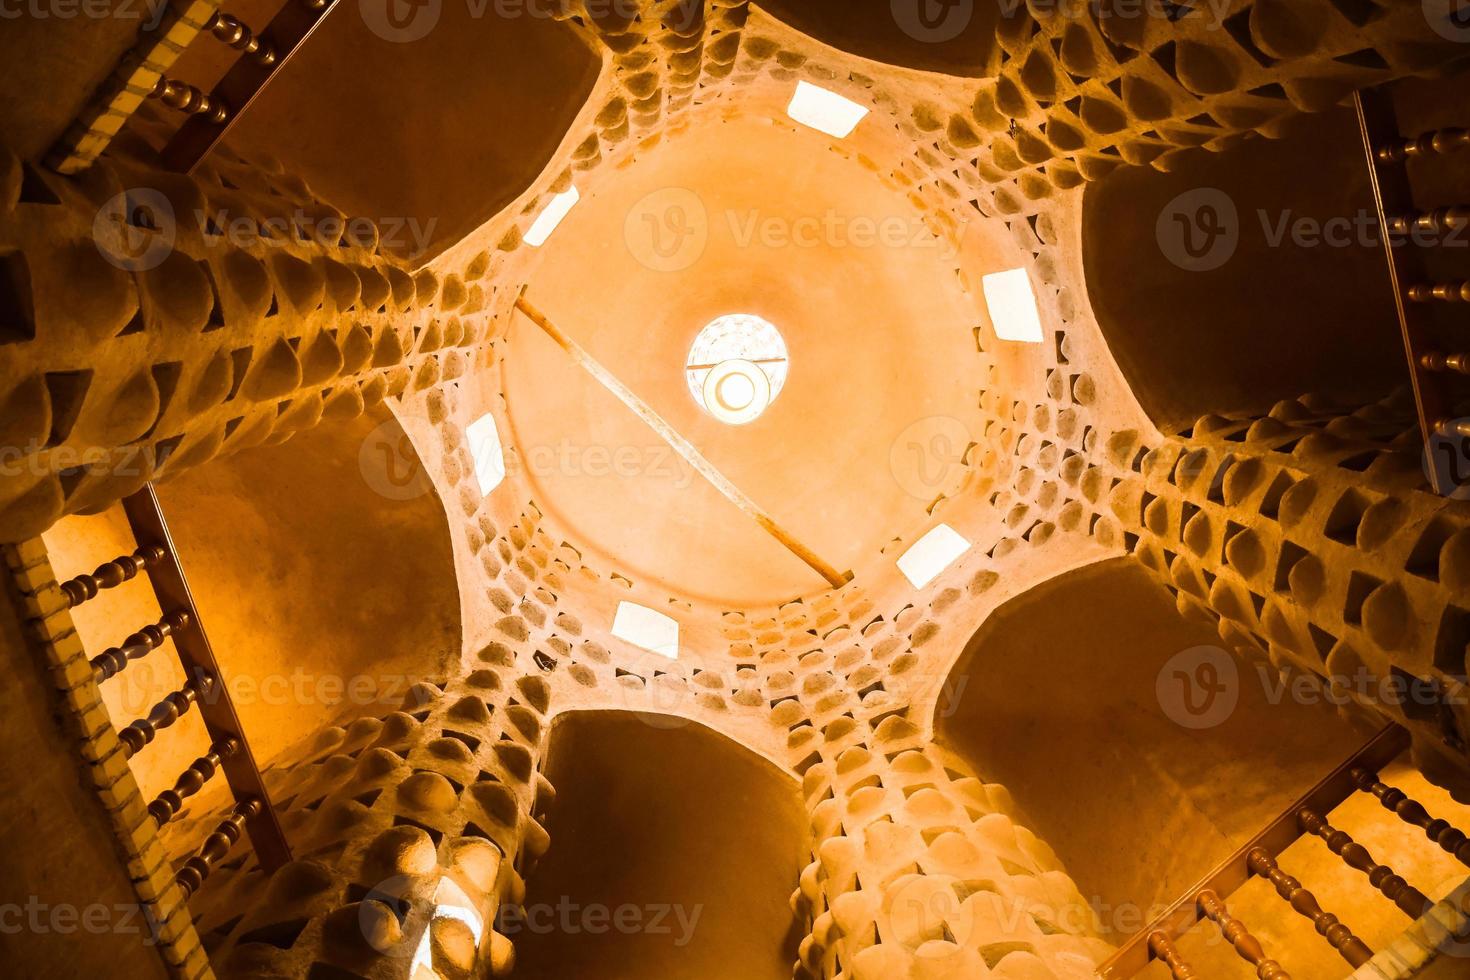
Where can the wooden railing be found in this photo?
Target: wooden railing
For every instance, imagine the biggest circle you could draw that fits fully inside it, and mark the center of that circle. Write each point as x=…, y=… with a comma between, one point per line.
x=1206, y=901
x=208, y=115
x=228, y=751
x=212, y=114
x=1439, y=360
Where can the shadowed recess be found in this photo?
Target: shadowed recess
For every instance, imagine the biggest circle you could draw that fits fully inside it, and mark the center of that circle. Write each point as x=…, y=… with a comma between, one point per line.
x=1113, y=747
x=448, y=128
x=957, y=37
x=657, y=817
x=1263, y=309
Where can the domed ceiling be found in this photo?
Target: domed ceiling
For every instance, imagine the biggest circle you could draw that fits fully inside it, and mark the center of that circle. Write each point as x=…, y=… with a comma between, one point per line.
x=741, y=216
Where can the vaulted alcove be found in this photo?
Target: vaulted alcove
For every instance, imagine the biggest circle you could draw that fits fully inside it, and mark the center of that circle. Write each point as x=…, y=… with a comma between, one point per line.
x=322, y=571
x=1241, y=278
x=1080, y=678
x=675, y=853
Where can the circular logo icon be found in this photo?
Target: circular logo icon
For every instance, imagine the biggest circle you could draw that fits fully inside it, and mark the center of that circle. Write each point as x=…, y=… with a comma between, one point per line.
x=401, y=21
x=920, y=907
x=380, y=913
x=1447, y=461
x=1199, y=688
x=1450, y=19
x=928, y=457
x=1199, y=230
x=135, y=230
x=1454, y=891
x=656, y=703
x=932, y=21
x=390, y=464
x=667, y=231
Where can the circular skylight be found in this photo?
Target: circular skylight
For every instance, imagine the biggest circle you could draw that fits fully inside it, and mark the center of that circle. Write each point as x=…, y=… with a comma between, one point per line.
x=737, y=367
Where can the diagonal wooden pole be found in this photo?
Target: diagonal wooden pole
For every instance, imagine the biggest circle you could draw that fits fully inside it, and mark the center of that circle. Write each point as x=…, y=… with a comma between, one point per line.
x=680, y=445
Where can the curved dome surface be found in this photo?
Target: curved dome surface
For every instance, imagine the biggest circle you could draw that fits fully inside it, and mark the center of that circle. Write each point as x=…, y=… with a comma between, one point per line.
x=742, y=216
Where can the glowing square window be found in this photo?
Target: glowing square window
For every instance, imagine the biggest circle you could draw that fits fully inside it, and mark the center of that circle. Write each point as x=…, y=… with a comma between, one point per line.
x=1012, y=304
x=827, y=111
x=550, y=217
x=932, y=554
x=485, y=449
x=647, y=628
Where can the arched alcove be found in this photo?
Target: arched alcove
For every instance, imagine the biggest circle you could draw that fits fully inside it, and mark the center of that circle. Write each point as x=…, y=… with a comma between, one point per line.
x=1295, y=306
x=325, y=582
x=956, y=38
x=1058, y=698
x=365, y=142
x=658, y=817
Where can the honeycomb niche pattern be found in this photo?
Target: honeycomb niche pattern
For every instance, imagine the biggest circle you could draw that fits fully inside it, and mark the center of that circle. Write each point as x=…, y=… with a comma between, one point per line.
x=1303, y=536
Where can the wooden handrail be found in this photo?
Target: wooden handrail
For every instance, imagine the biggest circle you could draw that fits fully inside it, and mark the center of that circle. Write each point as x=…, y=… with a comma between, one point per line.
x=1234, y=871
x=244, y=82
x=197, y=657
x=1386, y=152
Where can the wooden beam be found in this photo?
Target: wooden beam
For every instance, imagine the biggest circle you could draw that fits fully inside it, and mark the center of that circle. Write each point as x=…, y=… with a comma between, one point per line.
x=682, y=446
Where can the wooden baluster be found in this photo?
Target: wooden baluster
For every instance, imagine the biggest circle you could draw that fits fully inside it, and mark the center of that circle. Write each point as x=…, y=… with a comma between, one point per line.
x=215, y=847
x=112, y=661
x=1240, y=937
x=190, y=781
x=108, y=575
x=1408, y=898
x=235, y=33
x=163, y=715
x=186, y=98
x=1449, y=218
x=1437, y=361
x=1396, y=801
x=1163, y=947
x=1441, y=142
x=1328, y=926
x=1442, y=292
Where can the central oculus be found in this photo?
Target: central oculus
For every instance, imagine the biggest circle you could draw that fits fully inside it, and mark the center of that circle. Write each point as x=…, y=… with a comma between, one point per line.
x=736, y=367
